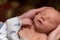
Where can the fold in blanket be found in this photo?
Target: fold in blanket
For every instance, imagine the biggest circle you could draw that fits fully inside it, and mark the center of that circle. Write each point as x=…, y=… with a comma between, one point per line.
x=9, y=29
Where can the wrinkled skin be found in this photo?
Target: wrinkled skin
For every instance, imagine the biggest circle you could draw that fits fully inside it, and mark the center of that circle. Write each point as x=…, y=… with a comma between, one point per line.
x=46, y=20
x=55, y=34
x=30, y=33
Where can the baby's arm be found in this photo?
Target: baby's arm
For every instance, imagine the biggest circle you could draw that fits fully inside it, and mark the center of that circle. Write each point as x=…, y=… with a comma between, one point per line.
x=27, y=23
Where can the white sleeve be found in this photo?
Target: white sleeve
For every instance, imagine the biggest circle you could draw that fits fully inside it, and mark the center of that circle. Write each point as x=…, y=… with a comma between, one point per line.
x=3, y=31
x=13, y=26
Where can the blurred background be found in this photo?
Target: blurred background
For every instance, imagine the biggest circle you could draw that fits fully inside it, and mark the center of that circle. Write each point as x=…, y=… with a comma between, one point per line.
x=12, y=8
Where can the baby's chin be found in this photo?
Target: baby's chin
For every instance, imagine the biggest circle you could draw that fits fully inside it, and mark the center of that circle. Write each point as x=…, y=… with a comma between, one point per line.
x=39, y=27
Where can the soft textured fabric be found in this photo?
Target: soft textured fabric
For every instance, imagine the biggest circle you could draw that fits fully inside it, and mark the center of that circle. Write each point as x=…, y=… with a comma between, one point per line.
x=9, y=30
x=3, y=31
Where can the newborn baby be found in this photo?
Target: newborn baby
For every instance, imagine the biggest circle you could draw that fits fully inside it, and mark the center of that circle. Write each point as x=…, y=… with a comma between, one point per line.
x=46, y=20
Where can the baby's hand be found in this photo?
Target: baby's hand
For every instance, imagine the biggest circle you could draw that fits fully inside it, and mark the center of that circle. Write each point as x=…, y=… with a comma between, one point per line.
x=31, y=13
x=26, y=22
x=22, y=33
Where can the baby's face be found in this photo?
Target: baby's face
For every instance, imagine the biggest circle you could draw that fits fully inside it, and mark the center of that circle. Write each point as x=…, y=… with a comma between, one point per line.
x=46, y=20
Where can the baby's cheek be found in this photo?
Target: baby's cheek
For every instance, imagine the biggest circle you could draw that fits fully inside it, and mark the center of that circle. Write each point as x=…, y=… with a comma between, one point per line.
x=48, y=26
x=51, y=25
x=53, y=22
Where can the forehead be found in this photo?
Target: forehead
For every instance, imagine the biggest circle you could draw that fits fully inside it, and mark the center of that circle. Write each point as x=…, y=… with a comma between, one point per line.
x=51, y=13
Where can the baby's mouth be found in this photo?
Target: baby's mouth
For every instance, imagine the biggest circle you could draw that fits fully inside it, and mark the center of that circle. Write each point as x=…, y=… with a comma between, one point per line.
x=40, y=22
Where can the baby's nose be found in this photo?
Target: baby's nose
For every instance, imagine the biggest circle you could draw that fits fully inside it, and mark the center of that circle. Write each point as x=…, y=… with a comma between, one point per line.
x=44, y=18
